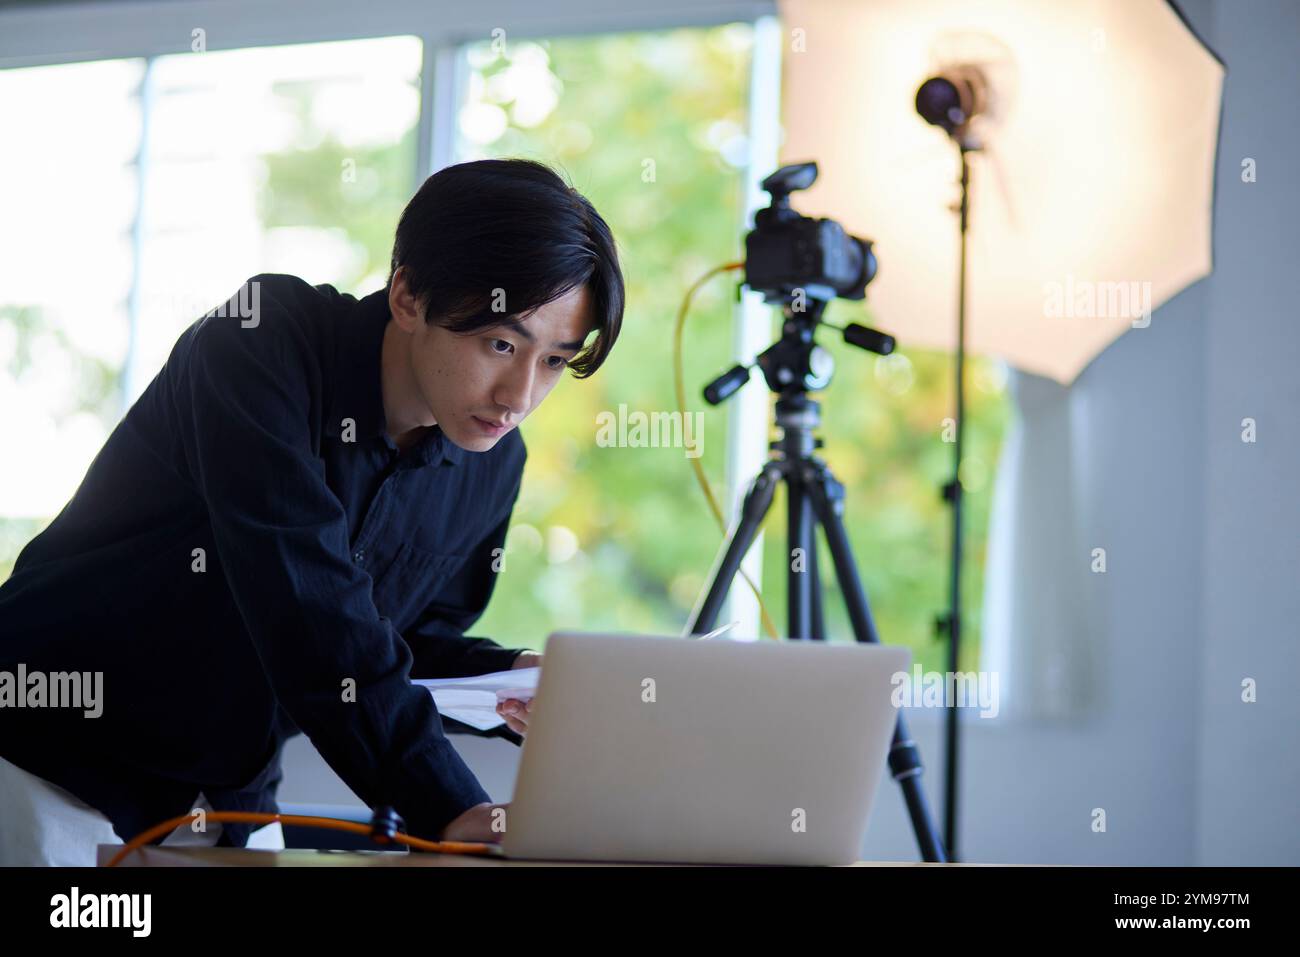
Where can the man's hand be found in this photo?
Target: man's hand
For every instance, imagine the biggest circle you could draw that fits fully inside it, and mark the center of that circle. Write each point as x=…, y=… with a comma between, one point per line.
x=476, y=824
x=518, y=713
x=527, y=659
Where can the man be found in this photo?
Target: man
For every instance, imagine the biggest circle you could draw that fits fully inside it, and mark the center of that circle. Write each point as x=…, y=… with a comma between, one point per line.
x=304, y=509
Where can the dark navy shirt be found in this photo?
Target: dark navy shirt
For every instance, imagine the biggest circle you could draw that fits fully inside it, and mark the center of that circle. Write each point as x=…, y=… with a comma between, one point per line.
x=333, y=569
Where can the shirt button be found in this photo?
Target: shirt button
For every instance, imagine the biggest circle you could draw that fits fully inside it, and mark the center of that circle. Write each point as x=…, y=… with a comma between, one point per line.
x=359, y=556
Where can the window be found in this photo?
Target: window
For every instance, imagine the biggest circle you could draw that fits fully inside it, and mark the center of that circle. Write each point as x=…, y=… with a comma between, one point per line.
x=68, y=207
x=206, y=169
x=650, y=127
x=293, y=159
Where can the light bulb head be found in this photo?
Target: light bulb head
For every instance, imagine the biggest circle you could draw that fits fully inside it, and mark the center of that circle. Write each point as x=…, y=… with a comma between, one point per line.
x=952, y=99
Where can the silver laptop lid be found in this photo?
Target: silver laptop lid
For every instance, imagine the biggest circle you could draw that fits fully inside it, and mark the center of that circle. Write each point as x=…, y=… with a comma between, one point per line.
x=648, y=748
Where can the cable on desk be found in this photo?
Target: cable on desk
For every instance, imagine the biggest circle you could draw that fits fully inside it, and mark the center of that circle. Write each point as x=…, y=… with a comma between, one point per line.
x=383, y=829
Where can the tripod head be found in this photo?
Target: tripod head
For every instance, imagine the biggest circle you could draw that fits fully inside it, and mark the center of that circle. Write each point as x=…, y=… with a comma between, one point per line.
x=795, y=364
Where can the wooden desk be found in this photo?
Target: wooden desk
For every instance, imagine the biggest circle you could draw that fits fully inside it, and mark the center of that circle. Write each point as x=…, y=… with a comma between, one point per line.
x=296, y=857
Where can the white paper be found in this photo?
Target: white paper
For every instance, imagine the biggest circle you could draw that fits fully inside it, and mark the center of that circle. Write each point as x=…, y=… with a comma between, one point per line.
x=473, y=700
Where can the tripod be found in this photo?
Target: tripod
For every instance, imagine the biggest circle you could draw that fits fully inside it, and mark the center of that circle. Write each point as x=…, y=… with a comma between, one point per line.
x=794, y=366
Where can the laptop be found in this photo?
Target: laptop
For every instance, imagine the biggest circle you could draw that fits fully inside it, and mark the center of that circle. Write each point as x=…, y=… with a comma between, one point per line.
x=651, y=749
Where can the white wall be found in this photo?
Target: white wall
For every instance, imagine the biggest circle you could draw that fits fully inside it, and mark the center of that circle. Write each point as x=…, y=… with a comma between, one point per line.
x=1248, y=776
x=1029, y=787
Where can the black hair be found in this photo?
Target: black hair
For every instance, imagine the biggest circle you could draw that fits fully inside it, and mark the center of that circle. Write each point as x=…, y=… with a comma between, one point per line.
x=509, y=234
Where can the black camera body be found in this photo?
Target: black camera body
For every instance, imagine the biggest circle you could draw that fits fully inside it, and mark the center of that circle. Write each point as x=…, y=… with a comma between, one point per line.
x=787, y=253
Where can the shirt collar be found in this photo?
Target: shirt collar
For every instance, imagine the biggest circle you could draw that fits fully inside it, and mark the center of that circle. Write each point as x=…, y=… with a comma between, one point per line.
x=359, y=393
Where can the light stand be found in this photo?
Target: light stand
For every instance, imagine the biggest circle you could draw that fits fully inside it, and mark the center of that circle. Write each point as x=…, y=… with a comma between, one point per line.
x=951, y=101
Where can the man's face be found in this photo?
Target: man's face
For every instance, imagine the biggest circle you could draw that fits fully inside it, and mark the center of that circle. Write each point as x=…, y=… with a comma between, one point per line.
x=468, y=382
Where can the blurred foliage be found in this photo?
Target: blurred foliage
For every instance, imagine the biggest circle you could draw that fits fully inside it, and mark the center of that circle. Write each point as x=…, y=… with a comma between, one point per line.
x=646, y=539
x=358, y=191
x=634, y=130
x=27, y=334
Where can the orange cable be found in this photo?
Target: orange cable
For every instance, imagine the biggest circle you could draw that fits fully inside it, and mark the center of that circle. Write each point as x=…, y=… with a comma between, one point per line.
x=329, y=823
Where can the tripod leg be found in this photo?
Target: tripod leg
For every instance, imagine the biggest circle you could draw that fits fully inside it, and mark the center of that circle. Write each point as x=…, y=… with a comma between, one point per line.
x=827, y=497
x=799, y=520
x=815, y=583
x=757, y=501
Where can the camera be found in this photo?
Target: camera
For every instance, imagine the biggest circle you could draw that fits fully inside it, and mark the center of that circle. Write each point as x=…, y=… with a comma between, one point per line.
x=786, y=252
